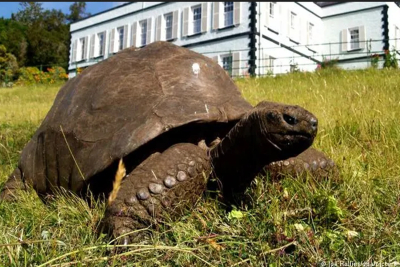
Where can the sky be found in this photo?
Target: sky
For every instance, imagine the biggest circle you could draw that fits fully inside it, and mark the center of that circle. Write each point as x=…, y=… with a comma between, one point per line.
x=6, y=8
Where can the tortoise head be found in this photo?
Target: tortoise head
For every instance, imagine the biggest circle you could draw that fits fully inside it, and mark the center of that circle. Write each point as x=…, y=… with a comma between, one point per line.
x=284, y=130
x=269, y=132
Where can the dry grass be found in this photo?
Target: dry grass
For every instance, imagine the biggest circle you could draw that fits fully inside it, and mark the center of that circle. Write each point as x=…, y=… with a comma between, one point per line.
x=291, y=222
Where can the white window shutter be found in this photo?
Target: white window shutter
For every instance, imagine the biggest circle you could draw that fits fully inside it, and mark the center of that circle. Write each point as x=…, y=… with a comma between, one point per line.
x=288, y=22
x=175, y=19
x=148, y=34
x=216, y=15
x=112, y=46
x=185, y=29
x=125, y=45
x=361, y=30
x=158, y=28
x=204, y=12
x=344, y=40
x=74, y=47
x=307, y=32
x=266, y=8
x=91, y=53
x=134, y=33
x=85, y=53
x=236, y=64
x=236, y=13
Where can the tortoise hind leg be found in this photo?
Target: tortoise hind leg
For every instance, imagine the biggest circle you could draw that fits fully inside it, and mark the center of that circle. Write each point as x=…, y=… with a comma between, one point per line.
x=310, y=161
x=13, y=185
x=165, y=184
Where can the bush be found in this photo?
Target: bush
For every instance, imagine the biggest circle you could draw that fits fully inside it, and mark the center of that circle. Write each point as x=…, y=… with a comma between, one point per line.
x=390, y=59
x=32, y=75
x=8, y=66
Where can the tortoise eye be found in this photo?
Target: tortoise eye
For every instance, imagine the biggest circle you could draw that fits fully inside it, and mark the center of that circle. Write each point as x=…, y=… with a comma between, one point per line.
x=289, y=119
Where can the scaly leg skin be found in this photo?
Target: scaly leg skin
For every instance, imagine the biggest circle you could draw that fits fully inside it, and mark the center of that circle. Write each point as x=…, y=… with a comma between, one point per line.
x=13, y=186
x=163, y=186
x=311, y=161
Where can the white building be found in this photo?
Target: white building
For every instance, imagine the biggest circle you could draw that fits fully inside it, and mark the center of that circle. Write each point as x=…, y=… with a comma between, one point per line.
x=244, y=37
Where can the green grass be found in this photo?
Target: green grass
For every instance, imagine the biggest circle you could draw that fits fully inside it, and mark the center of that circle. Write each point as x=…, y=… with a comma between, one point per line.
x=296, y=221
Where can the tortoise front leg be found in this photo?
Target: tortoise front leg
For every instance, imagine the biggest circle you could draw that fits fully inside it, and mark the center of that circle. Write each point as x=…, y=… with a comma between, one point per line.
x=311, y=161
x=164, y=185
x=13, y=186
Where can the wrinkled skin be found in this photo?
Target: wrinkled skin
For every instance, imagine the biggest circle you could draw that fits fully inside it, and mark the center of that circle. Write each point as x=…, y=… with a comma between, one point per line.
x=143, y=107
x=311, y=161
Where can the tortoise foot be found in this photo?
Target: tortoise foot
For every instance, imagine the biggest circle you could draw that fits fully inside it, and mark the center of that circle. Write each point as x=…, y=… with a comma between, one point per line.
x=13, y=187
x=162, y=187
x=311, y=161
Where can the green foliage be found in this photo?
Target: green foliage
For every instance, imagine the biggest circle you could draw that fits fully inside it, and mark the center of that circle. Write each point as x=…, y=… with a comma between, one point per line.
x=374, y=61
x=77, y=12
x=39, y=37
x=328, y=64
x=32, y=75
x=390, y=59
x=8, y=65
x=13, y=37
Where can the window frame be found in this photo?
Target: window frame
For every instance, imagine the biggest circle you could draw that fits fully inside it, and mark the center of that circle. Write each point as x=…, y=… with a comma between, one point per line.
x=143, y=33
x=230, y=63
x=166, y=28
x=120, y=31
x=230, y=13
x=310, y=31
x=272, y=7
x=100, y=43
x=293, y=17
x=351, y=42
x=82, y=48
x=193, y=21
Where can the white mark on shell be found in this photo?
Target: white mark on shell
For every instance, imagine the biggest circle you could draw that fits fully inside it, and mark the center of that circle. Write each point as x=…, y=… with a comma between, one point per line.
x=196, y=69
x=205, y=105
x=155, y=176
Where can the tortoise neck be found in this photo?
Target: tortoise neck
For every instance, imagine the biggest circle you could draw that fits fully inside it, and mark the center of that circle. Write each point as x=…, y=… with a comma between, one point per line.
x=242, y=154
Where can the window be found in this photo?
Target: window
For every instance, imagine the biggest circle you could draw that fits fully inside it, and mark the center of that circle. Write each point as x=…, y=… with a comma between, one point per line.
x=100, y=37
x=143, y=32
x=196, y=11
x=292, y=20
x=82, y=42
x=354, y=38
x=168, y=26
x=120, y=31
x=310, y=31
x=228, y=13
x=272, y=9
x=227, y=64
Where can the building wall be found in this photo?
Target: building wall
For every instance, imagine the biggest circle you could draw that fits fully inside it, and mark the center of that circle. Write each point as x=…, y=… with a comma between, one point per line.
x=289, y=46
x=393, y=23
x=224, y=40
x=279, y=46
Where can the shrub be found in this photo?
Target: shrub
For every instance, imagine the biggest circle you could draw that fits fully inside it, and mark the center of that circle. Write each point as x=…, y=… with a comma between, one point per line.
x=32, y=75
x=390, y=59
x=328, y=64
x=8, y=66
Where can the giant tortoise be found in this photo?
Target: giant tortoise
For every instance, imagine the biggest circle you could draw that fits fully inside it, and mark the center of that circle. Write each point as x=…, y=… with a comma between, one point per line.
x=142, y=129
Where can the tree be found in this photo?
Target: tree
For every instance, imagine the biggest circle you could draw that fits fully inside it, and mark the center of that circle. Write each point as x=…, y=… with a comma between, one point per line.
x=29, y=12
x=13, y=37
x=47, y=34
x=77, y=12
